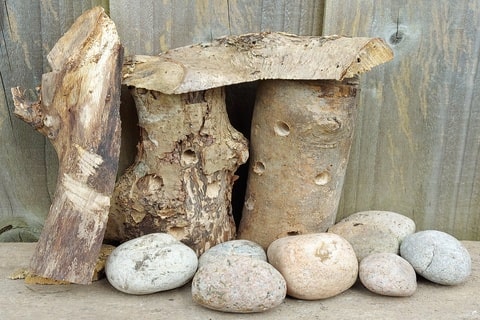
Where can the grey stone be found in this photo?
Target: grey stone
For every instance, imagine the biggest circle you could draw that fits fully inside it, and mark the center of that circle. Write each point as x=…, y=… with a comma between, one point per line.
x=388, y=274
x=238, y=284
x=233, y=248
x=374, y=231
x=437, y=256
x=151, y=263
x=315, y=266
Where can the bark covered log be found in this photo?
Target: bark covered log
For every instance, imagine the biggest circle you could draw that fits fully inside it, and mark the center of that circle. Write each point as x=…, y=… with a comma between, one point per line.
x=182, y=179
x=300, y=142
x=78, y=111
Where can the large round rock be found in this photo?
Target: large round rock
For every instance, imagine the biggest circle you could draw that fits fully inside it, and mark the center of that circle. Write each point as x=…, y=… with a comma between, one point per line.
x=374, y=231
x=245, y=248
x=437, y=256
x=151, y=263
x=315, y=266
x=388, y=274
x=238, y=284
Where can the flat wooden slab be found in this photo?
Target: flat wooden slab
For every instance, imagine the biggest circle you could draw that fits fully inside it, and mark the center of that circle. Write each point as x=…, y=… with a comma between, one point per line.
x=101, y=301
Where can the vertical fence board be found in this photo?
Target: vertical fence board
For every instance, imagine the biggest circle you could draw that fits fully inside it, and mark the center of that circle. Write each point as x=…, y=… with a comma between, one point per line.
x=149, y=27
x=417, y=147
x=29, y=29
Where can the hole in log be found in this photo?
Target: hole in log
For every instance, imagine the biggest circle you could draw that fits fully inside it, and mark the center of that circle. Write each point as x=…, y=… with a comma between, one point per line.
x=282, y=129
x=323, y=178
x=189, y=157
x=259, y=168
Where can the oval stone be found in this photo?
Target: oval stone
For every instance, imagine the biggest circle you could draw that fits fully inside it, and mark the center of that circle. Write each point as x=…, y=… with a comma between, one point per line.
x=245, y=248
x=374, y=231
x=238, y=284
x=315, y=266
x=388, y=274
x=151, y=263
x=437, y=256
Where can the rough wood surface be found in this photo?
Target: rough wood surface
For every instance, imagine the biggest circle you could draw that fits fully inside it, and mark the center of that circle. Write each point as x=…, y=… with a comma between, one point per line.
x=300, y=143
x=28, y=162
x=181, y=182
x=236, y=59
x=417, y=148
x=79, y=113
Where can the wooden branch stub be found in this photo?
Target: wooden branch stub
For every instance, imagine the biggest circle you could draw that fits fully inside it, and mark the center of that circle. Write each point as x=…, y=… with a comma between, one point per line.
x=79, y=113
x=256, y=56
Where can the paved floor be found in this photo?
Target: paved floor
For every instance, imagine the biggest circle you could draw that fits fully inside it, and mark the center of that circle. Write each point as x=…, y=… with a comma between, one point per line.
x=100, y=301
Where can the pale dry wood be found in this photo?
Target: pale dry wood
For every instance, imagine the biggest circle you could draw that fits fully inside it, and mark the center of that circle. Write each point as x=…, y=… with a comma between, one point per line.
x=300, y=143
x=28, y=30
x=181, y=182
x=79, y=113
x=255, y=56
x=417, y=150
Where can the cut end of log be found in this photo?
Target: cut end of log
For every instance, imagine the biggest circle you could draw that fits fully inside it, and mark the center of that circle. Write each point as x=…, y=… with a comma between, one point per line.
x=255, y=56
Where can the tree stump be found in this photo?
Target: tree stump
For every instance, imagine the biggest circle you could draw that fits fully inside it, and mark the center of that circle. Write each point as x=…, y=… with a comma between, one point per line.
x=300, y=141
x=79, y=113
x=181, y=182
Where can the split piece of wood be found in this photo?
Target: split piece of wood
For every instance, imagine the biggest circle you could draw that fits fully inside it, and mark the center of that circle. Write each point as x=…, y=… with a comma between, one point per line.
x=78, y=111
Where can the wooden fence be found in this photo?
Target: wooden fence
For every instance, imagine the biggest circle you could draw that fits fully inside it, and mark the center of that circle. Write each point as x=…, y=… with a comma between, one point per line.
x=417, y=145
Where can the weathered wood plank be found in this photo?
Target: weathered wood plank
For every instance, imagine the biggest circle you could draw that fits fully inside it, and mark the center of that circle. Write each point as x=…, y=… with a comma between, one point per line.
x=158, y=26
x=417, y=147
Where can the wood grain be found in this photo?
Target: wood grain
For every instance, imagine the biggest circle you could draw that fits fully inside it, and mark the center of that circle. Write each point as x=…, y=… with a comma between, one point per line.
x=417, y=146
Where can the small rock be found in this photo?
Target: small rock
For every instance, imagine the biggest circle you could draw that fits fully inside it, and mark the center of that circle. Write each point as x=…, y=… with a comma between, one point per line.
x=437, y=256
x=151, y=263
x=232, y=248
x=238, y=284
x=315, y=266
x=388, y=274
x=374, y=231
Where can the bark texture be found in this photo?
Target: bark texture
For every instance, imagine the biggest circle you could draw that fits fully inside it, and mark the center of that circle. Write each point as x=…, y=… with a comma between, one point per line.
x=182, y=180
x=300, y=141
x=79, y=113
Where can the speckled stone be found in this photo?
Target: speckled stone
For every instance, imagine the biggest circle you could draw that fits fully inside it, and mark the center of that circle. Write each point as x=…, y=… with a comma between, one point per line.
x=245, y=248
x=315, y=266
x=388, y=274
x=437, y=256
x=374, y=231
x=151, y=263
x=238, y=284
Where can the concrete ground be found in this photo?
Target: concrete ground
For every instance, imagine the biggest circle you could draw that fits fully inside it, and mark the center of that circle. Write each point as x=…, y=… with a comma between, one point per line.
x=101, y=301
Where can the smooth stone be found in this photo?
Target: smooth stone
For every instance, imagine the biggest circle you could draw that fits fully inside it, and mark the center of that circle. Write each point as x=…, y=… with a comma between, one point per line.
x=374, y=231
x=388, y=274
x=245, y=248
x=151, y=263
x=238, y=284
x=437, y=256
x=315, y=266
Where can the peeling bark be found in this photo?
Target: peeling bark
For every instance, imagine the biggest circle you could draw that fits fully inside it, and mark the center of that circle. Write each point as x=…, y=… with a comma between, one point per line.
x=182, y=180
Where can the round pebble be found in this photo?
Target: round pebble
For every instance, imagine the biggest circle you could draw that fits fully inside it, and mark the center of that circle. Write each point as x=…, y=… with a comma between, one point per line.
x=151, y=263
x=238, y=284
x=388, y=274
x=315, y=266
x=437, y=256
x=374, y=231
x=245, y=248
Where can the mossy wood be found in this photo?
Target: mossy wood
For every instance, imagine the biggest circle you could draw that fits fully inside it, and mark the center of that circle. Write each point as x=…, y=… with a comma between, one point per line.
x=78, y=111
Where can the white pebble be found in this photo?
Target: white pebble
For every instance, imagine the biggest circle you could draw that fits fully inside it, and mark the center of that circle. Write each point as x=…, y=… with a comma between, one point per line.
x=151, y=263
